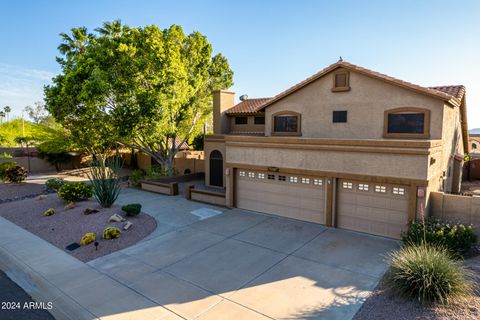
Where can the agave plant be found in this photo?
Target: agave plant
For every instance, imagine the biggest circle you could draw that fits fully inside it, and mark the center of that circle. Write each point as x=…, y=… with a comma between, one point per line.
x=104, y=178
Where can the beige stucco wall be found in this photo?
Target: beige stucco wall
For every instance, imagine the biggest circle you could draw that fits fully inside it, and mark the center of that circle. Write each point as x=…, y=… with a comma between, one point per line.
x=250, y=127
x=208, y=148
x=374, y=164
x=366, y=102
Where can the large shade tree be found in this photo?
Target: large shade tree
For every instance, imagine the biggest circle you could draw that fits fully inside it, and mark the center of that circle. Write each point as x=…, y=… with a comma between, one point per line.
x=145, y=88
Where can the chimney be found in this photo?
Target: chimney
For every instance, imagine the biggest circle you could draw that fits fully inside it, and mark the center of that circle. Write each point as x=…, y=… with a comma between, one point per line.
x=222, y=101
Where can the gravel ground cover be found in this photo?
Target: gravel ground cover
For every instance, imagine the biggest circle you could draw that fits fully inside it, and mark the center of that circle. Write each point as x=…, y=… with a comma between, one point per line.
x=19, y=191
x=383, y=305
x=69, y=225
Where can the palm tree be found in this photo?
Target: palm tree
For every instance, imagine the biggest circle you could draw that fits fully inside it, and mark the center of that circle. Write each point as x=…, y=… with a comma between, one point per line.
x=76, y=43
x=7, y=110
x=111, y=29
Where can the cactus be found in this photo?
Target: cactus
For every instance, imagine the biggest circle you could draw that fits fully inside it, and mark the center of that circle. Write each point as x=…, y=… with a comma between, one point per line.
x=111, y=233
x=88, y=238
x=49, y=212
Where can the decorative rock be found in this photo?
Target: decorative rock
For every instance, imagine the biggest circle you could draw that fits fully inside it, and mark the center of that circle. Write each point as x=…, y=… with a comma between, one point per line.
x=70, y=205
x=88, y=238
x=90, y=211
x=49, y=212
x=127, y=225
x=116, y=218
x=111, y=233
x=41, y=197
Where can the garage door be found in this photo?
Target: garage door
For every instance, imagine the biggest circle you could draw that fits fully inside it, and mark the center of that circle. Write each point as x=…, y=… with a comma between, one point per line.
x=380, y=209
x=292, y=196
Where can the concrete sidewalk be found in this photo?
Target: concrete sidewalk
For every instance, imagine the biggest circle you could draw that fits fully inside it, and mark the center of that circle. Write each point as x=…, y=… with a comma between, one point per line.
x=235, y=265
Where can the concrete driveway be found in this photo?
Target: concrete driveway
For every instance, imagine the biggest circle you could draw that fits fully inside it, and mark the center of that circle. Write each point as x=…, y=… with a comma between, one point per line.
x=244, y=265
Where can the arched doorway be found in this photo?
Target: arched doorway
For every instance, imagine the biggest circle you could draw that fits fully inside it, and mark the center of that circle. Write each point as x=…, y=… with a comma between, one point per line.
x=216, y=168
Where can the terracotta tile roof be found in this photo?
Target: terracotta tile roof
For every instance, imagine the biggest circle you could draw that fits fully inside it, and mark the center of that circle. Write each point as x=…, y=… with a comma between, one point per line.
x=247, y=106
x=454, y=91
x=447, y=96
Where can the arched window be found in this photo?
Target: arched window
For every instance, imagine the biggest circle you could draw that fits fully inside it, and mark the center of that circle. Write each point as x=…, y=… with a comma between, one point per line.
x=474, y=146
x=216, y=168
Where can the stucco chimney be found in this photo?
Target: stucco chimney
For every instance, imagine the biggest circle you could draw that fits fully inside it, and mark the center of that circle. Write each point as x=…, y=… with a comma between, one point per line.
x=222, y=101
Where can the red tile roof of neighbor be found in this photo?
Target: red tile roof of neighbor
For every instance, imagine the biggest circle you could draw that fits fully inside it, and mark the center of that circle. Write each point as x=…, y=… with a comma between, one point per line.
x=451, y=94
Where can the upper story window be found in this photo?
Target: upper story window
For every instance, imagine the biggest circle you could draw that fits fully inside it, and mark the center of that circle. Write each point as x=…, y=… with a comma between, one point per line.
x=259, y=120
x=341, y=81
x=286, y=123
x=474, y=146
x=339, y=116
x=241, y=120
x=407, y=123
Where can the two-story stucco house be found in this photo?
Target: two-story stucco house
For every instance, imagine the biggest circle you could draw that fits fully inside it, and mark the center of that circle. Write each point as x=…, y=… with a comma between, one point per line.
x=347, y=147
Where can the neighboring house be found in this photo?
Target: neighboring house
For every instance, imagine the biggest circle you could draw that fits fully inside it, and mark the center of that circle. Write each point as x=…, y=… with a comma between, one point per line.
x=474, y=144
x=347, y=147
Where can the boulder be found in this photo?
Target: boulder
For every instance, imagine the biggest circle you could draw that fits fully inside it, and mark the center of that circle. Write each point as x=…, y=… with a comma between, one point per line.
x=41, y=197
x=49, y=212
x=116, y=218
x=69, y=206
x=90, y=211
x=127, y=225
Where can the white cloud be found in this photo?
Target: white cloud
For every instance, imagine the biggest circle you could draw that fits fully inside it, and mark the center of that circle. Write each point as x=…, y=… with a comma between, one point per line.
x=21, y=86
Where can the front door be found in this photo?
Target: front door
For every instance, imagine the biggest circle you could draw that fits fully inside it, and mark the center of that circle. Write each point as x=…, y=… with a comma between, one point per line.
x=216, y=168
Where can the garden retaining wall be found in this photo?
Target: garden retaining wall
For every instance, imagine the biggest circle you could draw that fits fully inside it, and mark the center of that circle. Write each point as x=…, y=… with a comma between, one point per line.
x=456, y=208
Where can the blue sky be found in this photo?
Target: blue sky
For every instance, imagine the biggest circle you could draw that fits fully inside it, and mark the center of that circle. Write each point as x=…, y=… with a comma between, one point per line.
x=270, y=45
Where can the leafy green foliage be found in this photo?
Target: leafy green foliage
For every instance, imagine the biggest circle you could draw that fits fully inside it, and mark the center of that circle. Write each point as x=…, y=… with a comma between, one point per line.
x=5, y=155
x=4, y=167
x=111, y=233
x=458, y=238
x=135, y=177
x=147, y=88
x=75, y=191
x=15, y=174
x=428, y=274
x=132, y=209
x=156, y=172
x=55, y=183
x=197, y=142
x=103, y=176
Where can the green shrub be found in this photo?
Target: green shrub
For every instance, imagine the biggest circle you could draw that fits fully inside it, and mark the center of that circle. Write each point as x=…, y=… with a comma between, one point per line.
x=132, y=209
x=49, y=212
x=75, y=191
x=4, y=167
x=103, y=176
x=458, y=238
x=55, y=183
x=5, y=156
x=135, y=177
x=87, y=239
x=15, y=174
x=156, y=171
x=428, y=274
x=111, y=233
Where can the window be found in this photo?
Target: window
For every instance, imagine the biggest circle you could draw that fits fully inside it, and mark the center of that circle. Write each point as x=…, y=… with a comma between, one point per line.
x=318, y=182
x=363, y=187
x=259, y=120
x=282, y=178
x=305, y=180
x=271, y=177
x=399, y=191
x=293, y=179
x=241, y=120
x=339, y=116
x=347, y=185
x=381, y=189
x=286, y=124
x=251, y=175
x=241, y=173
x=341, y=81
x=474, y=146
x=407, y=122
x=261, y=176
